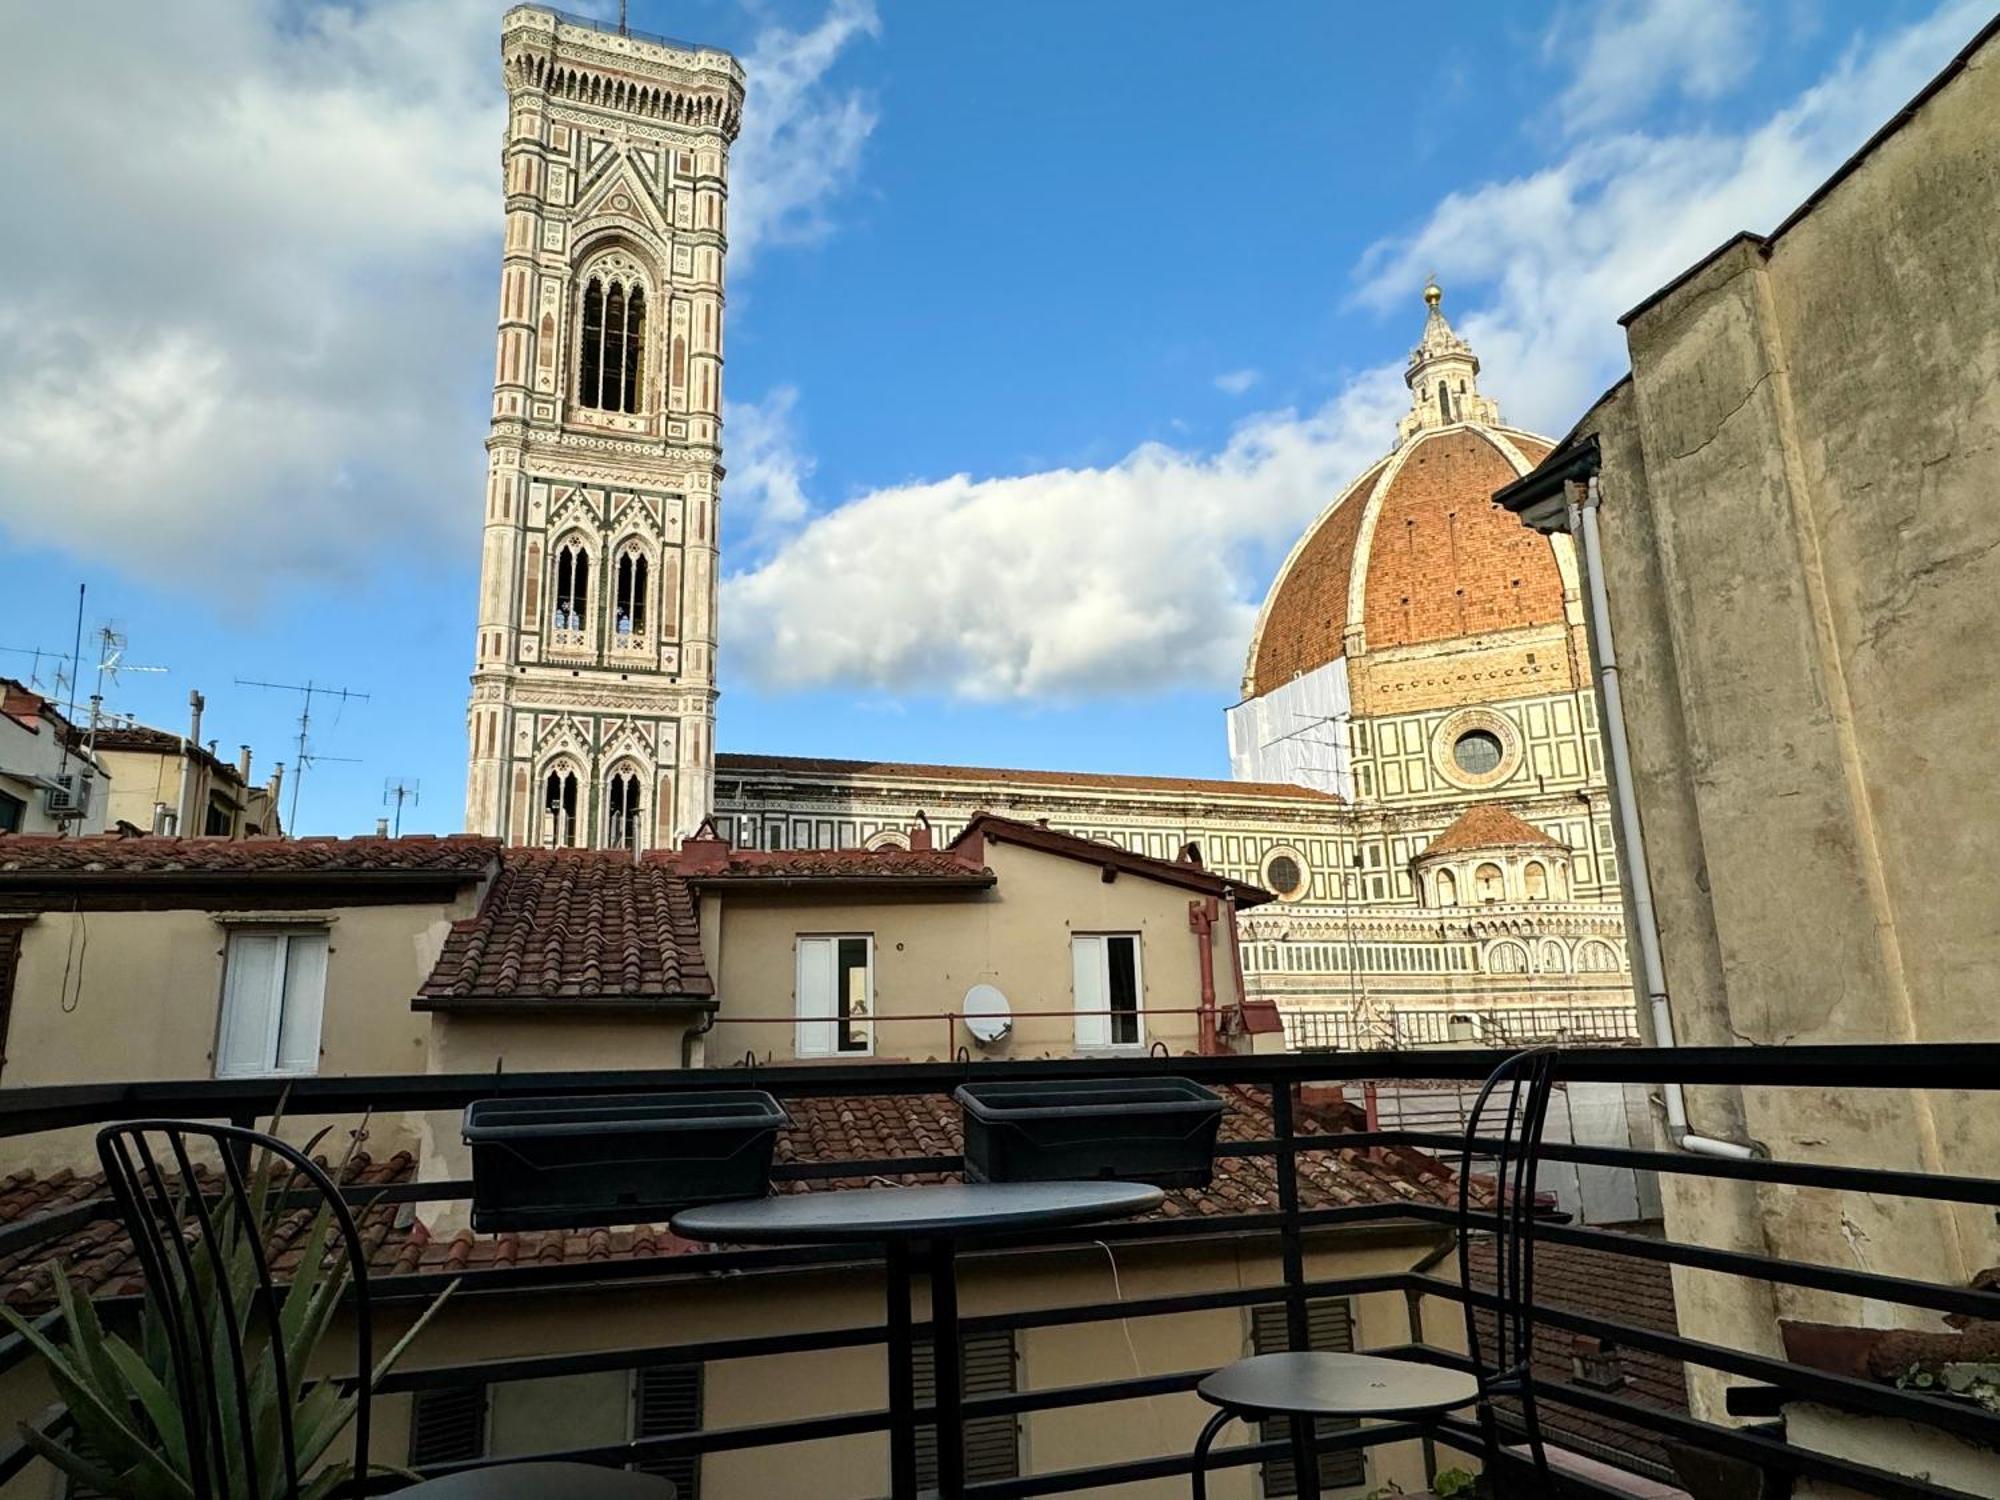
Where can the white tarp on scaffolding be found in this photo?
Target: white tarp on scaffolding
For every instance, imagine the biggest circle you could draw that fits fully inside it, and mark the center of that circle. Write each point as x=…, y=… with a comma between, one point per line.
x=1296, y=733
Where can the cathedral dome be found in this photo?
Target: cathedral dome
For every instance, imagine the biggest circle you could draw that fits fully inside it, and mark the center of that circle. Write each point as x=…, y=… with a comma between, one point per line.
x=1414, y=551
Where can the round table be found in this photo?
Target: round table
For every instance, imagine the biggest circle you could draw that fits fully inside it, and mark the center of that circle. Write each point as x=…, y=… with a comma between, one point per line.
x=900, y=1219
x=543, y=1481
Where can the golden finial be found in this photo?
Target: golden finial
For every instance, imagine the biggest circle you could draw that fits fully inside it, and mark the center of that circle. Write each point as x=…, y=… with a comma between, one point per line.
x=1433, y=293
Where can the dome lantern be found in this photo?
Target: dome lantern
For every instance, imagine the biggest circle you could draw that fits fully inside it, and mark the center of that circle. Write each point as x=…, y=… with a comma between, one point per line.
x=1443, y=376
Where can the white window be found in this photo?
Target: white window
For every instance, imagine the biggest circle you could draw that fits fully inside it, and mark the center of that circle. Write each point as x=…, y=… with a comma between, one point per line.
x=1108, y=990
x=836, y=996
x=273, y=987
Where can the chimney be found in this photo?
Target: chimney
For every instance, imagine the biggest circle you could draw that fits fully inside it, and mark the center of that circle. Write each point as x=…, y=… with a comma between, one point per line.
x=243, y=763
x=921, y=836
x=705, y=851
x=196, y=703
x=1595, y=1363
x=381, y=828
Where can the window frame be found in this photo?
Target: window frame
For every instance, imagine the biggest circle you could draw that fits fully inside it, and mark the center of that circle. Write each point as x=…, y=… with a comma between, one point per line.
x=1081, y=1013
x=807, y=1030
x=277, y=997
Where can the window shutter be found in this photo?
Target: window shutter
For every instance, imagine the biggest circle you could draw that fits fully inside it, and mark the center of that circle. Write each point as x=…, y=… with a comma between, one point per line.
x=252, y=974
x=1329, y=1327
x=992, y=1444
x=1093, y=1003
x=667, y=1399
x=816, y=999
x=10, y=960
x=448, y=1426
x=304, y=999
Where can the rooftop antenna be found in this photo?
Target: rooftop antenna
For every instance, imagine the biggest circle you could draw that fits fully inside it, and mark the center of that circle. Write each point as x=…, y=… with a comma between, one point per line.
x=623, y=30
x=111, y=661
x=304, y=756
x=397, y=790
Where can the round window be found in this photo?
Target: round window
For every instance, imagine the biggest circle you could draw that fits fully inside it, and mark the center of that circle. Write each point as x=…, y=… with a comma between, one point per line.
x=1284, y=876
x=1477, y=752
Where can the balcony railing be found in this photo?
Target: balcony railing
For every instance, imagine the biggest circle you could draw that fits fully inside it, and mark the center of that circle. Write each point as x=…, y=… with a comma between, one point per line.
x=1286, y=1228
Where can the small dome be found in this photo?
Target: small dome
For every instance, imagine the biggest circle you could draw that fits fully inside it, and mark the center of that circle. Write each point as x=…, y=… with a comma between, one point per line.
x=1414, y=550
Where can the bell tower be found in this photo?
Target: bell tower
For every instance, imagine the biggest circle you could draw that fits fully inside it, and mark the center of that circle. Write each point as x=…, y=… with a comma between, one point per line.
x=593, y=685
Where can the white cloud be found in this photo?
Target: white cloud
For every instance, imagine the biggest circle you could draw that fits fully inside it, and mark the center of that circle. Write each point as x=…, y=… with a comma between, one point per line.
x=1147, y=573
x=1237, y=382
x=1628, y=54
x=1127, y=578
x=247, y=322
x=768, y=469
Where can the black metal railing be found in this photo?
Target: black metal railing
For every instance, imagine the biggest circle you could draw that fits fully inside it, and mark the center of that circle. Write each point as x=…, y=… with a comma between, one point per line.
x=1289, y=1226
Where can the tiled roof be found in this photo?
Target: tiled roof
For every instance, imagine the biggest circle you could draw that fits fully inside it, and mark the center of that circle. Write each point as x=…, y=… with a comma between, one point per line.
x=730, y=764
x=1113, y=856
x=98, y=1256
x=143, y=739
x=575, y=927
x=1487, y=825
x=1620, y=1289
x=838, y=864
x=26, y=854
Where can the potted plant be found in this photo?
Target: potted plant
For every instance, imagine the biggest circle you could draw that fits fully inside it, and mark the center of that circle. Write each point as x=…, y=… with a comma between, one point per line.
x=129, y=1438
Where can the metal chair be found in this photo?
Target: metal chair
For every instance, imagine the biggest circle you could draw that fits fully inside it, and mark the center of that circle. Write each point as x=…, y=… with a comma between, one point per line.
x=192, y=1243
x=1308, y=1385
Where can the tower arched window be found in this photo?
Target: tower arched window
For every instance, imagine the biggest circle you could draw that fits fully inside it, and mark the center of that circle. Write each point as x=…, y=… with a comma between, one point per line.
x=559, y=826
x=609, y=371
x=1444, y=400
x=570, y=598
x=629, y=612
x=621, y=810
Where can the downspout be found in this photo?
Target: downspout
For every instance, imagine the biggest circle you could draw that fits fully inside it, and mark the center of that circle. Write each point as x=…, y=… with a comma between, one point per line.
x=1611, y=705
x=1201, y=919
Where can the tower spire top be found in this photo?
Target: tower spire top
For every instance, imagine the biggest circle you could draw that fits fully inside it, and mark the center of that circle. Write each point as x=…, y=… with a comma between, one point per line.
x=1443, y=374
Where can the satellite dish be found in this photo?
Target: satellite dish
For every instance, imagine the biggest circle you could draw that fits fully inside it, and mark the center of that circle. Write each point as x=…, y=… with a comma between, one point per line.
x=987, y=1015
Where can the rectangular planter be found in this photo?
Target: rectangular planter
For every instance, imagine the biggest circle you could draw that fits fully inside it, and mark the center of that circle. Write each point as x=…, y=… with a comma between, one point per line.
x=622, y=1159
x=1157, y=1130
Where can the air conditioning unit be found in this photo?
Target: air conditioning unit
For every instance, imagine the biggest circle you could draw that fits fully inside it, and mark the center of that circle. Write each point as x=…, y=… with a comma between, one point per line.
x=70, y=796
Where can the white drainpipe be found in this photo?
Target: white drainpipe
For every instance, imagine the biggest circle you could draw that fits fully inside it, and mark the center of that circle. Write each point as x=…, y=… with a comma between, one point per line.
x=1632, y=846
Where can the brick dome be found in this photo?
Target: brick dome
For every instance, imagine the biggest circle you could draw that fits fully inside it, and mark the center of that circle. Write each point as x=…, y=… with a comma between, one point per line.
x=1414, y=551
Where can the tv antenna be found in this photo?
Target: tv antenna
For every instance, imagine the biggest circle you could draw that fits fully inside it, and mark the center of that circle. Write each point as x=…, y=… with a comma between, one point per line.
x=303, y=755
x=111, y=644
x=396, y=791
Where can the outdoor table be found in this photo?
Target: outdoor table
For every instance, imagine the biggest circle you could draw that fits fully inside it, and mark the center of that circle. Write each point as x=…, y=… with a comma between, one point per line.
x=901, y=1219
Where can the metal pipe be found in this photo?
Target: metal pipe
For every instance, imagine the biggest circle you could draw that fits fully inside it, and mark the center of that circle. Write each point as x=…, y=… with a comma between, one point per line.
x=183, y=813
x=1631, y=838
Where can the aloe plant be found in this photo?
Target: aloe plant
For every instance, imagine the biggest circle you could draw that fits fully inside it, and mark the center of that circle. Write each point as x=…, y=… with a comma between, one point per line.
x=129, y=1438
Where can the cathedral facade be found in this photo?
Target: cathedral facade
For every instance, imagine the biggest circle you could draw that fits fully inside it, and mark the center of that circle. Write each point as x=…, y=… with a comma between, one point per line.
x=593, y=689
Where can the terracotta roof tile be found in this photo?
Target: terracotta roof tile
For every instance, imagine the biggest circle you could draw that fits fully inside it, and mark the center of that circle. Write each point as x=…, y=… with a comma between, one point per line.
x=844, y=864
x=143, y=739
x=1193, y=876
x=889, y=770
x=574, y=926
x=1488, y=825
x=25, y=854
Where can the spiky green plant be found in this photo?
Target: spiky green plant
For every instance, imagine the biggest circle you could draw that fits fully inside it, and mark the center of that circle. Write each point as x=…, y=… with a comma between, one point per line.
x=129, y=1438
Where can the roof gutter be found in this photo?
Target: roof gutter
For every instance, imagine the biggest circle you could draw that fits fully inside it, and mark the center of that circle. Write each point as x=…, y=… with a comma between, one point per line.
x=1564, y=494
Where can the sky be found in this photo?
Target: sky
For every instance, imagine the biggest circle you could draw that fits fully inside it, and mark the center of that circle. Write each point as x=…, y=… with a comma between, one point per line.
x=1050, y=327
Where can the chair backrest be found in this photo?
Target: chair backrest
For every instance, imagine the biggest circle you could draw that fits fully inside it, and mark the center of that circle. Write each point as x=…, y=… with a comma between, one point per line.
x=1505, y=1128
x=191, y=1197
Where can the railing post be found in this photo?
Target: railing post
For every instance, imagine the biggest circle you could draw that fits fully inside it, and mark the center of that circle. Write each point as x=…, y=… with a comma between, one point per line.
x=1305, y=1461
x=1413, y=1307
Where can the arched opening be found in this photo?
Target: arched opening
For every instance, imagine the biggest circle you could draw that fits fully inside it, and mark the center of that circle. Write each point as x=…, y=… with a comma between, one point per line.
x=559, y=809
x=1447, y=888
x=571, y=595
x=621, y=810
x=1488, y=884
x=1444, y=400
x=609, y=367
x=629, y=606
x=1535, y=881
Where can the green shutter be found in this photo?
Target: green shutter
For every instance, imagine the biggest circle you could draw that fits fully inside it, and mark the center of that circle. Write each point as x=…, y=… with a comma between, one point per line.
x=667, y=1399
x=448, y=1426
x=992, y=1444
x=1329, y=1327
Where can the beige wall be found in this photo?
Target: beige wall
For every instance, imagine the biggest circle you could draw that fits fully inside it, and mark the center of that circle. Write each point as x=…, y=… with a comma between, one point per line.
x=129, y=996
x=930, y=948
x=1802, y=554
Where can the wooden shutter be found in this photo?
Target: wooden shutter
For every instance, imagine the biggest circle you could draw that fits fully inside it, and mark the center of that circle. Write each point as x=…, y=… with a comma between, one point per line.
x=10, y=960
x=992, y=1444
x=1330, y=1327
x=252, y=981
x=817, y=1009
x=302, y=1000
x=1093, y=1001
x=448, y=1426
x=667, y=1399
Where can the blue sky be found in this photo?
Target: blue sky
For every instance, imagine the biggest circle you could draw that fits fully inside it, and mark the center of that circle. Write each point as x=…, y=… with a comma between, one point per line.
x=1050, y=326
